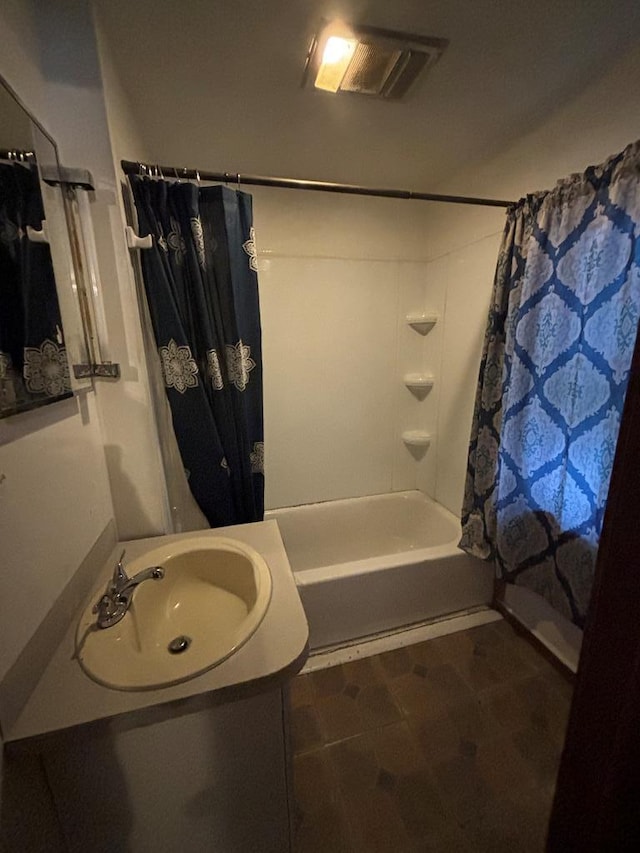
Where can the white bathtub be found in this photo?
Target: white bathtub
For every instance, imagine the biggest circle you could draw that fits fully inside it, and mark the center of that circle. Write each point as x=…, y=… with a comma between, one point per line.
x=374, y=564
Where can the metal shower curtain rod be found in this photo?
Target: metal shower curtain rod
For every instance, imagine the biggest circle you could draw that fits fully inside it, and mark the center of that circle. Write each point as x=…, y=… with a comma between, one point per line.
x=130, y=167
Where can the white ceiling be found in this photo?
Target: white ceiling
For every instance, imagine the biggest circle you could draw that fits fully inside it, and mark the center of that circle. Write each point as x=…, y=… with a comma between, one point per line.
x=216, y=83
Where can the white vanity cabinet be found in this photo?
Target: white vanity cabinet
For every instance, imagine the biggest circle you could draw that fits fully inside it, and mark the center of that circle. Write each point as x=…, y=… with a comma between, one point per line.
x=212, y=780
x=196, y=766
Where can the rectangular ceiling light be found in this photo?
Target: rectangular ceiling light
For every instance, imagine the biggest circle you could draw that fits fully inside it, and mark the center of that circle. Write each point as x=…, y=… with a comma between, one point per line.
x=368, y=61
x=336, y=58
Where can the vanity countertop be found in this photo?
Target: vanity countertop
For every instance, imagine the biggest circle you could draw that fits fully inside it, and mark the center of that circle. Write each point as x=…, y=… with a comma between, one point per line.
x=66, y=697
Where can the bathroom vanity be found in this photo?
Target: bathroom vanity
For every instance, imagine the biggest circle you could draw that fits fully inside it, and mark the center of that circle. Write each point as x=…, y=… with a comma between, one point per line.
x=200, y=765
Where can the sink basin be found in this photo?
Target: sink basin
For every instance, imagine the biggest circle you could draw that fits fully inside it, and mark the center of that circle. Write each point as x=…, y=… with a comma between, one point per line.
x=212, y=598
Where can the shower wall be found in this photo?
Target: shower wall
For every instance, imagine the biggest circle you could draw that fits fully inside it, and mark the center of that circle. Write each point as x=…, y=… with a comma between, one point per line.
x=467, y=276
x=336, y=285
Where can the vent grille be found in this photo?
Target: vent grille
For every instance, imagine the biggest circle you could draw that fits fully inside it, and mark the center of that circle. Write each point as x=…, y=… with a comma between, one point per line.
x=384, y=63
x=369, y=69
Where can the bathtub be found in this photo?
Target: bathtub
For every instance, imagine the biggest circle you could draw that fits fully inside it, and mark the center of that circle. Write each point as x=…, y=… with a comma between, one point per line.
x=364, y=566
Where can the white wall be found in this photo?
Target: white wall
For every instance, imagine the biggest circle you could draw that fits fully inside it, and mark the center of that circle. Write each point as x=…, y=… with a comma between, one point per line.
x=54, y=492
x=56, y=489
x=337, y=277
x=130, y=434
x=467, y=275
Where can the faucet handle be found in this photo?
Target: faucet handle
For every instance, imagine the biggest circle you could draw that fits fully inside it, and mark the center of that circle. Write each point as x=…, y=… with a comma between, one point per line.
x=120, y=577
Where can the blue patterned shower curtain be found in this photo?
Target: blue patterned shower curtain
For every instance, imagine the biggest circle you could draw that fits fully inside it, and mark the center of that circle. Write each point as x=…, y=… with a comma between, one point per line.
x=201, y=285
x=557, y=351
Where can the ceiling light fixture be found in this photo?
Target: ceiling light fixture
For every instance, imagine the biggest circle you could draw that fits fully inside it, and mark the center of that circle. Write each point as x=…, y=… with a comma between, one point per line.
x=368, y=61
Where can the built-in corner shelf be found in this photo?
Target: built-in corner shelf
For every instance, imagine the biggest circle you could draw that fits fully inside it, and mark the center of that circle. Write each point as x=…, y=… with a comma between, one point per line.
x=418, y=381
x=416, y=438
x=422, y=322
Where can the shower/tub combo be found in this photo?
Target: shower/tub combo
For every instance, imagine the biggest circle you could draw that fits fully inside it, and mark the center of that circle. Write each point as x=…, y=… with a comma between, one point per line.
x=369, y=565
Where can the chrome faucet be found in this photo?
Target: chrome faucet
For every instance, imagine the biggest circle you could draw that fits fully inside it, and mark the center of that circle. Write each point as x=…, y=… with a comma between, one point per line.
x=115, y=602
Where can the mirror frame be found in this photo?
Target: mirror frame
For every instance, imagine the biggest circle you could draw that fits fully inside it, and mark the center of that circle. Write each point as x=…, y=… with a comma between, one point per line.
x=54, y=200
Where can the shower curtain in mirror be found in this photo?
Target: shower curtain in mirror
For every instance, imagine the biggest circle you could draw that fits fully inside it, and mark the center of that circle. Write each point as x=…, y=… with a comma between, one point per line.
x=557, y=351
x=202, y=290
x=33, y=359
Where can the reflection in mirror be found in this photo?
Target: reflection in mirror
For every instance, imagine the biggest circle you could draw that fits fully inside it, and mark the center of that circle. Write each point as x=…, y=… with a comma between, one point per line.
x=34, y=369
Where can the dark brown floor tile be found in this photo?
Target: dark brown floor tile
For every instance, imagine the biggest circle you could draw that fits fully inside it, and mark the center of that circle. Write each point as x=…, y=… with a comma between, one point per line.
x=355, y=763
x=339, y=717
x=417, y=696
x=376, y=825
x=453, y=646
x=540, y=752
x=561, y=682
x=420, y=805
x=504, y=629
x=464, y=791
x=396, y=662
x=325, y=830
x=503, y=767
x=301, y=691
x=328, y=682
x=426, y=653
x=504, y=660
x=485, y=635
x=449, y=684
x=362, y=672
x=536, y=691
x=305, y=728
x=397, y=750
x=549, y=708
x=473, y=721
x=438, y=738
x=314, y=782
x=450, y=745
x=450, y=840
x=527, y=650
x=558, y=721
x=476, y=672
x=377, y=706
x=509, y=826
x=506, y=706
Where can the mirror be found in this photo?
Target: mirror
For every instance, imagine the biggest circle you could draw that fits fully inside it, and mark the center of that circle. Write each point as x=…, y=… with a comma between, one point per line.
x=34, y=368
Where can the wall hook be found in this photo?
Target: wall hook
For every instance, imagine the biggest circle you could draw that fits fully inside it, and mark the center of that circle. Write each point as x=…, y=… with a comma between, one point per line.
x=36, y=236
x=135, y=242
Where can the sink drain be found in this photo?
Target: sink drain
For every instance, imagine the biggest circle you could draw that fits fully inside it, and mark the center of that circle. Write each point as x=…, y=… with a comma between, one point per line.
x=179, y=645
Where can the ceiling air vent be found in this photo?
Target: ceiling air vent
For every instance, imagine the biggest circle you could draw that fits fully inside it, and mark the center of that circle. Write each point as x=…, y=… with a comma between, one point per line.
x=368, y=61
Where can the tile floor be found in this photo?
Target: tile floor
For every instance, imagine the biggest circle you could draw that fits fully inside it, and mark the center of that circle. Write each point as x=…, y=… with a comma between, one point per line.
x=450, y=745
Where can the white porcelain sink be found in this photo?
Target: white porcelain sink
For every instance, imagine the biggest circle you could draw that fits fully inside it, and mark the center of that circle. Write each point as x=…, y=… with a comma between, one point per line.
x=213, y=596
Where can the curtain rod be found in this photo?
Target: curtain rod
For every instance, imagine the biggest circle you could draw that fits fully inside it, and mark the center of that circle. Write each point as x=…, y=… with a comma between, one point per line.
x=129, y=167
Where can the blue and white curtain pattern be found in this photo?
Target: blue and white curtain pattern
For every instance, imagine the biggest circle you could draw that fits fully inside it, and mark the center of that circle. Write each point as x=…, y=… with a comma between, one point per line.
x=557, y=351
x=202, y=289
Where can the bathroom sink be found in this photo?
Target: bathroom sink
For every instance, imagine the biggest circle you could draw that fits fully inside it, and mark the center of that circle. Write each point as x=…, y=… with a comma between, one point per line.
x=213, y=596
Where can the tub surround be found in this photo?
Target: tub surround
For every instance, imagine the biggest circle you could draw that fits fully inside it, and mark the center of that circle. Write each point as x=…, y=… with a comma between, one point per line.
x=65, y=697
